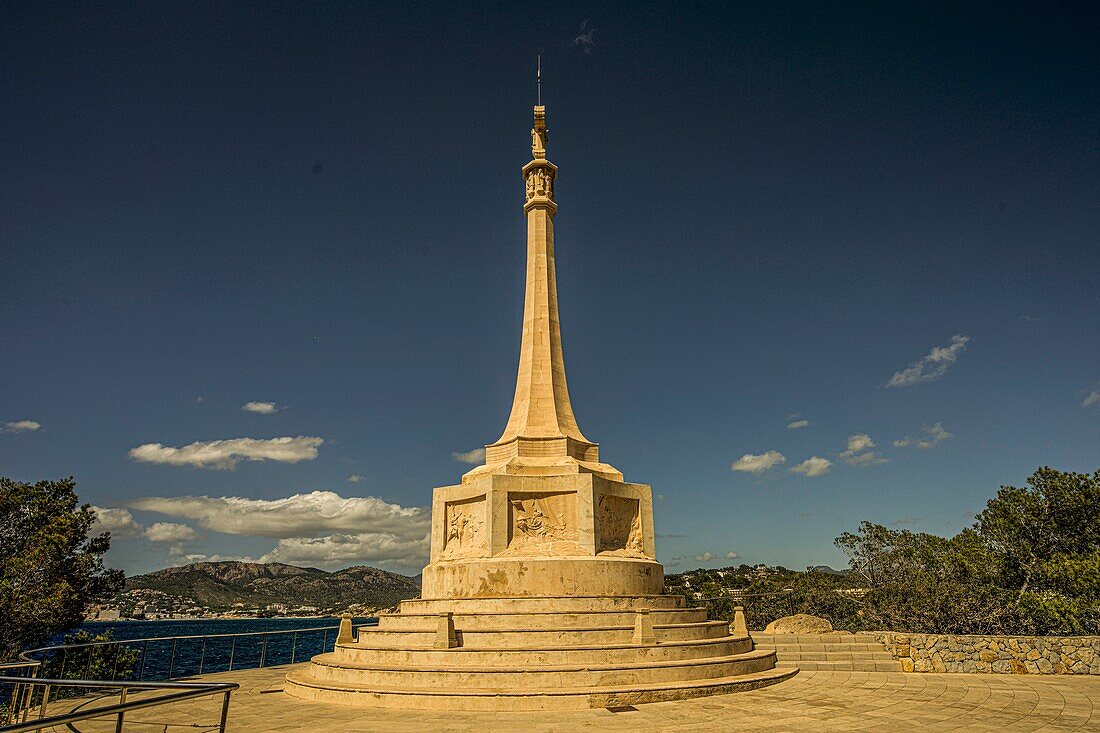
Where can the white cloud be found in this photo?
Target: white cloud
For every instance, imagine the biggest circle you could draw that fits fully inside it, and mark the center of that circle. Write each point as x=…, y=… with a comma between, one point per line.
x=119, y=522
x=340, y=549
x=931, y=367
x=758, y=464
x=475, y=456
x=936, y=434
x=261, y=408
x=870, y=458
x=200, y=557
x=297, y=516
x=226, y=454
x=813, y=466
x=798, y=424
x=170, y=532
x=858, y=442
x=20, y=426
x=859, y=453
x=354, y=478
x=1093, y=398
x=709, y=557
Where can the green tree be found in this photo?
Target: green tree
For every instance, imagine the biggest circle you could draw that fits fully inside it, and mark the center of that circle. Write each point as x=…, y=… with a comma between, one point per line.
x=924, y=583
x=1029, y=565
x=50, y=568
x=1056, y=514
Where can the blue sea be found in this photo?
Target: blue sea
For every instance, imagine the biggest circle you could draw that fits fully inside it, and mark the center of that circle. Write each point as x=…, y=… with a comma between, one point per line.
x=159, y=653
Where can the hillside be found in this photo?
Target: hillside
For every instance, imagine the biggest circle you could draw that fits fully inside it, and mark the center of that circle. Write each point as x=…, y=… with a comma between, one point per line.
x=223, y=585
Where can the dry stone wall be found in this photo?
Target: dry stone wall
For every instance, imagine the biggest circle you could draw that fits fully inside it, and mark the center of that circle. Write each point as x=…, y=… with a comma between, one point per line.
x=995, y=654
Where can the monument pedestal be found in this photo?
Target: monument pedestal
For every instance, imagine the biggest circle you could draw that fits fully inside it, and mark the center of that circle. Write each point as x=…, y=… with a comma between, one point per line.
x=505, y=535
x=542, y=594
x=536, y=653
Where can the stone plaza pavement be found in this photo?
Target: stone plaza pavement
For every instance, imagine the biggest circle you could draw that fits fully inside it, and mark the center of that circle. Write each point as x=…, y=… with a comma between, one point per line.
x=811, y=701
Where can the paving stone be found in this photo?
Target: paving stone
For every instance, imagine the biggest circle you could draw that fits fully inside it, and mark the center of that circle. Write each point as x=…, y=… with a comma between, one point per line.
x=842, y=701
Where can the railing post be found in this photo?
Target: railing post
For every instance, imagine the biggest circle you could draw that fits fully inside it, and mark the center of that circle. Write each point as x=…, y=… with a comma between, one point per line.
x=225, y=712
x=28, y=700
x=202, y=654
x=45, y=701
x=121, y=700
x=263, y=650
x=23, y=702
x=114, y=664
x=144, y=651
x=324, y=642
x=232, y=648
x=172, y=661
x=293, y=645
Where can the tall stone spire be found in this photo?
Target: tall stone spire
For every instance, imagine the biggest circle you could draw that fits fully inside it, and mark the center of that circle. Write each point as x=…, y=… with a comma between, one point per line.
x=542, y=436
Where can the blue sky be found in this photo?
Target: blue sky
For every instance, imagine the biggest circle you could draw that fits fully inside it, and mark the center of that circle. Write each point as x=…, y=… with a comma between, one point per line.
x=766, y=212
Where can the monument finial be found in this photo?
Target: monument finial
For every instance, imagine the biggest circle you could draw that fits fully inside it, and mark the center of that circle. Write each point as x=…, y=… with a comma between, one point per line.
x=538, y=78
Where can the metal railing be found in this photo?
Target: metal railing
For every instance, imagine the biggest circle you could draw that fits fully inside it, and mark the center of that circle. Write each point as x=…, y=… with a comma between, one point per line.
x=182, y=656
x=68, y=671
x=27, y=709
x=760, y=608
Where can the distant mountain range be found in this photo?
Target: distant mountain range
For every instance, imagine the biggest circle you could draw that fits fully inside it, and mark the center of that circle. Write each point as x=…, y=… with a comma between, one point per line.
x=221, y=585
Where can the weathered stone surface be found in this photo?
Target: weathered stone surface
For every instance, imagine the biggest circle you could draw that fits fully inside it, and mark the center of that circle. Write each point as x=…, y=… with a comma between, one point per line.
x=800, y=623
x=996, y=655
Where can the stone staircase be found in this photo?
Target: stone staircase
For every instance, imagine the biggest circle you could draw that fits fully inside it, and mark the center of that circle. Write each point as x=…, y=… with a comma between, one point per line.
x=536, y=653
x=838, y=652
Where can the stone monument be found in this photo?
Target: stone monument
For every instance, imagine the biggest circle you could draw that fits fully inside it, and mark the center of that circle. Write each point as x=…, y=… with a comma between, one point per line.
x=543, y=590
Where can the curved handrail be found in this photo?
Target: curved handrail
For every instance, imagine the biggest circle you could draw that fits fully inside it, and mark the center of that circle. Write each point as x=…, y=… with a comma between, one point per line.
x=108, y=642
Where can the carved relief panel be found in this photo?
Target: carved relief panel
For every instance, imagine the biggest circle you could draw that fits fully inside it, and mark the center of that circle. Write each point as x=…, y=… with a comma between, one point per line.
x=464, y=530
x=540, y=182
x=620, y=527
x=542, y=524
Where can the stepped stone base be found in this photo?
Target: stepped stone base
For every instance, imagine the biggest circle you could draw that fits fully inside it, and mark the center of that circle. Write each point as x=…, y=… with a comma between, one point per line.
x=536, y=653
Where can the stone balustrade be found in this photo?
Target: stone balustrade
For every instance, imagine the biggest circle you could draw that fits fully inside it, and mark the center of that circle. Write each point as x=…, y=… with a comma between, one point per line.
x=995, y=654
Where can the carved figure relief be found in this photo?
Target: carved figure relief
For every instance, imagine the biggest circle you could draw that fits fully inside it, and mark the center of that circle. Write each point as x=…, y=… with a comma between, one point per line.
x=465, y=530
x=538, y=142
x=540, y=182
x=543, y=524
x=620, y=525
